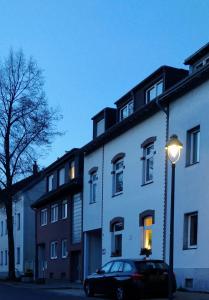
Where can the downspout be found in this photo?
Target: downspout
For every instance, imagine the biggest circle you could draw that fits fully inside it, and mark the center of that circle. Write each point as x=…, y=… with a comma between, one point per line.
x=102, y=206
x=166, y=111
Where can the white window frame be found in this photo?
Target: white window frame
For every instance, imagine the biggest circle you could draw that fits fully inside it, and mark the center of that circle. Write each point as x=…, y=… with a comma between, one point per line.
x=191, y=150
x=50, y=181
x=147, y=157
x=115, y=233
x=64, y=249
x=129, y=108
x=155, y=88
x=64, y=208
x=116, y=172
x=53, y=250
x=61, y=176
x=44, y=217
x=93, y=187
x=189, y=216
x=100, y=127
x=54, y=213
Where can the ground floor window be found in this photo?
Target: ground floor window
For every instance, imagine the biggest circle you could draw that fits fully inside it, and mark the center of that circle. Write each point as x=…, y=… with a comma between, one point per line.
x=53, y=250
x=117, y=239
x=190, y=230
x=64, y=249
x=147, y=233
x=18, y=256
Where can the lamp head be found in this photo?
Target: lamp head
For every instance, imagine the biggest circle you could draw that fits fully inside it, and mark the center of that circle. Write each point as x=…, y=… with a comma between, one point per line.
x=173, y=148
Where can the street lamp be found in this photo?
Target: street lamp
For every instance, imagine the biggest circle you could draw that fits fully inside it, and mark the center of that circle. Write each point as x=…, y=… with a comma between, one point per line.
x=173, y=148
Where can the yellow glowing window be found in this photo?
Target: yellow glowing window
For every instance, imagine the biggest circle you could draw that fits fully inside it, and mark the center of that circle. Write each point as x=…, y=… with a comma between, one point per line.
x=148, y=233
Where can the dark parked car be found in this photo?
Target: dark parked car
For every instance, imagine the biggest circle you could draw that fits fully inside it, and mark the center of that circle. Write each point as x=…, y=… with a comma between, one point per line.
x=130, y=278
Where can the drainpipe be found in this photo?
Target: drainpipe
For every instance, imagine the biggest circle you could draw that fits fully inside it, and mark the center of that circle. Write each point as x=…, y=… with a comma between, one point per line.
x=166, y=111
x=102, y=206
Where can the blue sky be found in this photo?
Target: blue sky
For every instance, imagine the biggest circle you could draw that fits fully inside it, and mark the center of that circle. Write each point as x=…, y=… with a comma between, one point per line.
x=94, y=51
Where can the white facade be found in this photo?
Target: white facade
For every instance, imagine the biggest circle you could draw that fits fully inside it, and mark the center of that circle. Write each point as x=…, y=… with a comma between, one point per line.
x=24, y=231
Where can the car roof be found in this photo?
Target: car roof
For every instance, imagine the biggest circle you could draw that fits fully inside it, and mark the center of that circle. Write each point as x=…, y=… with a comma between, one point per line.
x=138, y=260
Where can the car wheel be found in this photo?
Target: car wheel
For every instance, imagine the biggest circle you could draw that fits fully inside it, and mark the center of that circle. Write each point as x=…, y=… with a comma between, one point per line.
x=88, y=290
x=120, y=293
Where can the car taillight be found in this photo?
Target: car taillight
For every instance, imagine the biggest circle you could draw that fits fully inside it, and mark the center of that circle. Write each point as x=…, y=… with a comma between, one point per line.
x=137, y=276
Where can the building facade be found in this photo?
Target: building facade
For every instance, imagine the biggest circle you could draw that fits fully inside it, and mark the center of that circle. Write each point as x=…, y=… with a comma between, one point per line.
x=59, y=220
x=127, y=175
x=26, y=192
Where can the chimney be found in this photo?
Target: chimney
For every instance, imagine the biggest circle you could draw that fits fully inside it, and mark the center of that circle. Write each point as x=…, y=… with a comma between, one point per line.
x=35, y=168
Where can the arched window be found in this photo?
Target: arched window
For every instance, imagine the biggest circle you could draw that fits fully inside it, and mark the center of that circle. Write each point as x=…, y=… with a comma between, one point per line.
x=148, y=159
x=146, y=221
x=118, y=166
x=93, y=184
x=116, y=228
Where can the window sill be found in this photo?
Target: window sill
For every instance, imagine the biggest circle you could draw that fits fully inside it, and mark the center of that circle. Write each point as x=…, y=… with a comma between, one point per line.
x=191, y=164
x=117, y=194
x=115, y=255
x=52, y=222
x=90, y=203
x=147, y=183
x=42, y=225
x=53, y=258
x=190, y=248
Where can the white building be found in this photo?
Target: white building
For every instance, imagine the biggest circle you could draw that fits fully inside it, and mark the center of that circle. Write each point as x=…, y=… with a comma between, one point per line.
x=27, y=191
x=127, y=178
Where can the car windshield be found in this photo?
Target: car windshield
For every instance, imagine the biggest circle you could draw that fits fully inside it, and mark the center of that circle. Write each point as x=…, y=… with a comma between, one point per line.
x=150, y=265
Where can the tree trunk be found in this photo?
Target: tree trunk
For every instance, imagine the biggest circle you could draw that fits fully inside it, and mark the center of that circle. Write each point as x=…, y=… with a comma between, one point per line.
x=11, y=248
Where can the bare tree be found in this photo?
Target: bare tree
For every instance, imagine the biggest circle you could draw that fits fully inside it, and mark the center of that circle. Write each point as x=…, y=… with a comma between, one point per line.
x=26, y=124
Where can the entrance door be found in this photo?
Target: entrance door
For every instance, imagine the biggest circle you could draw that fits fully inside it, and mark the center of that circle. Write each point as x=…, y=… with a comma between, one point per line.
x=76, y=275
x=41, y=261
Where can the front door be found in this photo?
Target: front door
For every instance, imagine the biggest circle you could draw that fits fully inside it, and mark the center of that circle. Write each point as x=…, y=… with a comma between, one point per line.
x=76, y=275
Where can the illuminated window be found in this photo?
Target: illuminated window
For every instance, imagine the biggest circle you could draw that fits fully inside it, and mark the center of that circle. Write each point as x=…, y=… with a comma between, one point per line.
x=154, y=91
x=72, y=170
x=126, y=110
x=147, y=233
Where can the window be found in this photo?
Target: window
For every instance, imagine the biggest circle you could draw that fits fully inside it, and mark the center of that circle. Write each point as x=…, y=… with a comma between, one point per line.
x=93, y=187
x=127, y=267
x=64, y=249
x=201, y=64
x=190, y=230
x=117, y=267
x=126, y=110
x=106, y=267
x=61, y=176
x=6, y=257
x=76, y=219
x=148, y=163
x=50, y=180
x=2, y=228
x=154, y=91
x=18, y=221
x=100, y=127
x=54, y=213
x=18, y=256
x=44, y=217
x=117, y=239
x=6, y=227
x=53, y=250
x=64, y=209
x=1, y=258
x=72, y=170
x=118, y=177
x=193, y=146
x=147, y=233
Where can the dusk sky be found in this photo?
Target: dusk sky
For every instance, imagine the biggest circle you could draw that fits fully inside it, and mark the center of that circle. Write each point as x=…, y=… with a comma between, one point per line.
x=94, y=51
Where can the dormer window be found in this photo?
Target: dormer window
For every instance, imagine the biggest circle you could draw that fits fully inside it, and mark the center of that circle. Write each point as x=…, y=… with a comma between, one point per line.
x=154, y=91
x=50, y=180
x=202, y=63
x=100, y=127
x=127, y=110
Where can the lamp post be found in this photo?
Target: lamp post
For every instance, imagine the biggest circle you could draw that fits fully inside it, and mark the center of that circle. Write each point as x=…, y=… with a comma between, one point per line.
x=173, y=148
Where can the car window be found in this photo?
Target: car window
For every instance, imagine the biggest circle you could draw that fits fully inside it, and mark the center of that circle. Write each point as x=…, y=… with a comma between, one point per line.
x=145, y=266
x=127, y=267
x=106, y=267
x=117, y=266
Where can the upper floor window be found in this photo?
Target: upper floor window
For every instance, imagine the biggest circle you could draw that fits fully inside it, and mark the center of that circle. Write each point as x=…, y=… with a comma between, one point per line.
x=44, y=217
x=54, y=213
x=100, y=127
x=93, y=186
x=118, y=176
x=2, y=228
x=61, y=176
x=50, y=180
x=148, y=163
x=72, y=170
x=18, y=221
x=64, y=249
x=64, y=209
x=154, y=91
x=126, y=110
x=193, y=146
x=53, y=250
x=190, y=230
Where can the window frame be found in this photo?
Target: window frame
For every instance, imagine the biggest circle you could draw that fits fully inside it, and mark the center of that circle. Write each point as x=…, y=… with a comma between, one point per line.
x=55, y=216
x=191, y=151
x=44, y=212
x=60, y=183
x=147, y=158
x=187, y=231
x=127, y=106
x=100, y=127
x=117, y=236
x=64, y=205
x=116, y=173
x=54, y=250
x=50, y=183
x=147, y=228
x=155, y=88
x=93, y=186
x=64, y=241
x=72, y=170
